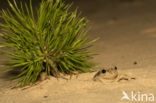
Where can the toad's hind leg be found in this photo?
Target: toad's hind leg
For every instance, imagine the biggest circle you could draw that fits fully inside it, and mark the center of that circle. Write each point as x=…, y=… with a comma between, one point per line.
x=124, y=77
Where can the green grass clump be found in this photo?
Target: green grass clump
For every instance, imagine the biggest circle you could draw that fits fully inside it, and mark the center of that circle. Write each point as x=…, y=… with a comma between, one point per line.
x=55, y=41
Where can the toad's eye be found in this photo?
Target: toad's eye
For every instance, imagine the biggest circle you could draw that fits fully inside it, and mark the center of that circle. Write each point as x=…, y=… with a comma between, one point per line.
x=115, y=68
x=103, y=71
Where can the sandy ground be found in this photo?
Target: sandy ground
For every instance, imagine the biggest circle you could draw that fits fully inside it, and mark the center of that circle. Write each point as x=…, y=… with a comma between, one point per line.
x=127, y=32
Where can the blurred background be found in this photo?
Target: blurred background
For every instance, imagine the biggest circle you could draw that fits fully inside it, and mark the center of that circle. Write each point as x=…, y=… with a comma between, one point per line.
x=126, y=28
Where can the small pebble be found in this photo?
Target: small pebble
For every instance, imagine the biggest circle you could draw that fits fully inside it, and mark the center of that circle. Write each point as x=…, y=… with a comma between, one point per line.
x=135, y=63
x=45, y=96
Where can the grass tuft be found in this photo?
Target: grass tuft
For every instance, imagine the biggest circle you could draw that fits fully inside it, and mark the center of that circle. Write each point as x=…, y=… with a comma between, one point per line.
x=55, y=42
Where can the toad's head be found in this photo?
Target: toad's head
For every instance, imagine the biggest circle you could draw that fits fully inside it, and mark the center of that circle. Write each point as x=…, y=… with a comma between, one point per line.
x=110, y=73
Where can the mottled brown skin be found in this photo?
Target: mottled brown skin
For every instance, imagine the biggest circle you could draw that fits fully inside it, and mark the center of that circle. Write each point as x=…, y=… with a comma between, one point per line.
x=110, y=75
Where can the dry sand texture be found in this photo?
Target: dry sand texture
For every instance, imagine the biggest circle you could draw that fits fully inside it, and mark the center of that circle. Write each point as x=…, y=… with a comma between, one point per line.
x=127, y=32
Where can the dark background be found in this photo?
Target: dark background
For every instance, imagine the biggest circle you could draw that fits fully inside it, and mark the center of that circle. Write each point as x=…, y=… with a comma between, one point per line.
x=121, y=25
